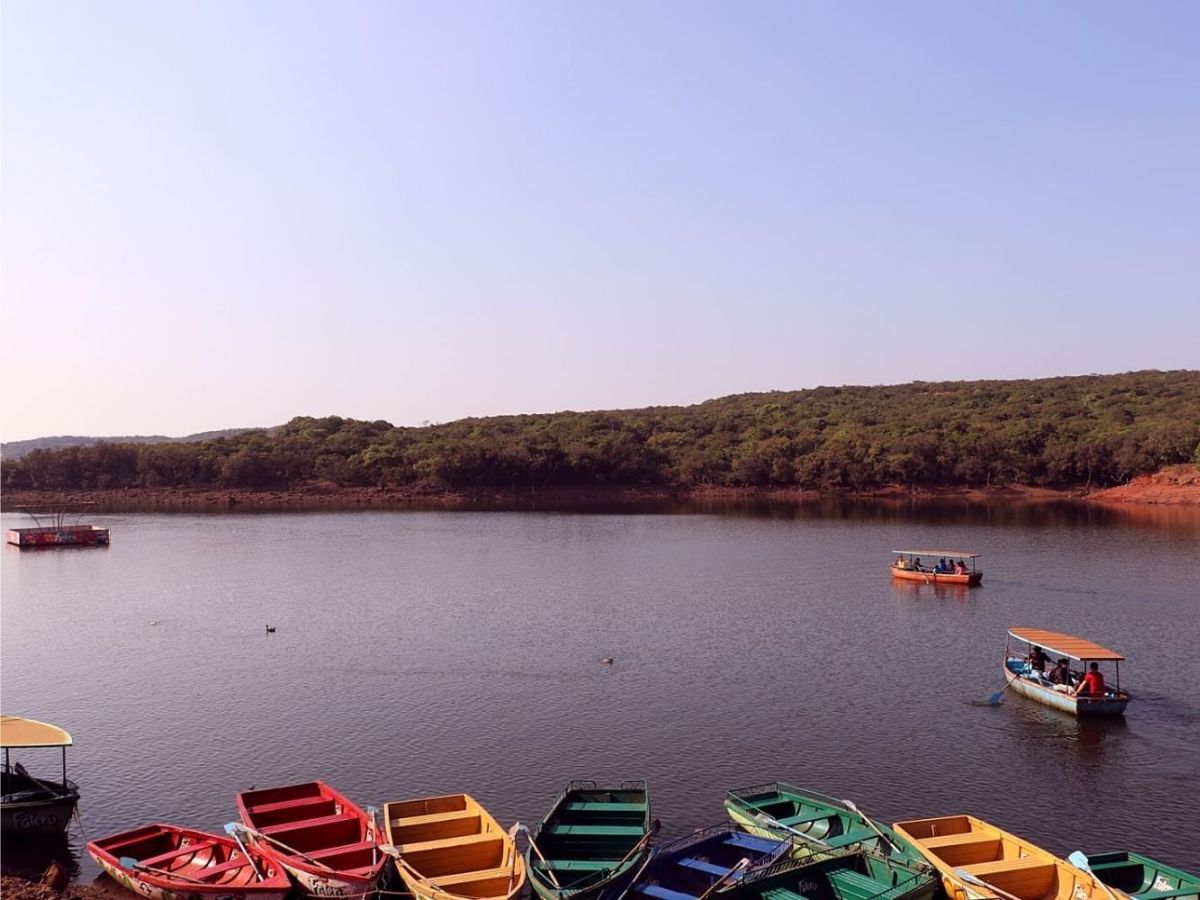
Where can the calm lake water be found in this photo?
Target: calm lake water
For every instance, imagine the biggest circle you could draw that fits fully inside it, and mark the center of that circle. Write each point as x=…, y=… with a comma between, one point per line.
x=422, y=653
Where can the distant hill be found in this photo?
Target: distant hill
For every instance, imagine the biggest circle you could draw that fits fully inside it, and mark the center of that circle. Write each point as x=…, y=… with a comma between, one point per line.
x=1089, y=431
x=17, y=449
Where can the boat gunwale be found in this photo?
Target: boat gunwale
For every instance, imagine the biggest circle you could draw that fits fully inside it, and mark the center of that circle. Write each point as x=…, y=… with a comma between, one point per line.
x=920, y=873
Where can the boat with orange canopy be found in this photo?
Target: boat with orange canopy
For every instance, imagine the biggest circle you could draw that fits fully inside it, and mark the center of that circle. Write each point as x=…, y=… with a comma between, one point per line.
x=908, y=567
x=1024, y=678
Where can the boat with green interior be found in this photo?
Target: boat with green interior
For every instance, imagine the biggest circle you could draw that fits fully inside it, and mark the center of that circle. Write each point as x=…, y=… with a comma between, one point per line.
x=837, y=875
x=818, y=823
x=591, y=842
x=1143, y=878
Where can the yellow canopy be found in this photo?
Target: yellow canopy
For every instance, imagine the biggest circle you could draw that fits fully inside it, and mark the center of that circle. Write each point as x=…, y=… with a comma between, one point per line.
x=961, y=554
x=1064, y=644
x=18, y=732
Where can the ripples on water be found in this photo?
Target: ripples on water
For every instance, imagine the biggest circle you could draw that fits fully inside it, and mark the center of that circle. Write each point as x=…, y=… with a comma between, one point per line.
x=439, y=652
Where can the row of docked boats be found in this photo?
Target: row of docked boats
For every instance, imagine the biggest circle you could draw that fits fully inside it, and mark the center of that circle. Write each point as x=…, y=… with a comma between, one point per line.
x=597, y=843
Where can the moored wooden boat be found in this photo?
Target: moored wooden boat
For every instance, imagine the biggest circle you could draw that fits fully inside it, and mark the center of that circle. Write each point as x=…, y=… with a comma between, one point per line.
x=324, y=840
x=977, y=860
x=29, y=805
x=1144, y=878
x=164, y=862
x=818, y=823
x=592, y=841
x=908, y=567
x=837, y=875
x=1024, y=679
x=449, y=847
x=707, y=862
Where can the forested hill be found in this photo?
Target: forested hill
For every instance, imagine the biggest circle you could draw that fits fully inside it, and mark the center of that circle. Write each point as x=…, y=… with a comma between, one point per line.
x=17, y=449
x=1097, y=429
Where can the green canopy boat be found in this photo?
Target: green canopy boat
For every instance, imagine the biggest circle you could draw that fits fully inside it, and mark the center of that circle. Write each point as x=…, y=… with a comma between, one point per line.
x=816, y=821
x=837, y=875
x=592, y=842
x=1143, y=878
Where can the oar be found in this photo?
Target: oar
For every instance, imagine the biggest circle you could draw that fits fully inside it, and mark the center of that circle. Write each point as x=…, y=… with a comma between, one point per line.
x=130, y=863
x=849, y=804
x=1080, y=861
x=394, y=853
x=232, y=832
x=741, y=864
x=512, y=838
x=280, y=844
x=45, y=786
x=545, y=862
x=964, y=875
x=775, y=823
x=371, y=810
x=995, y=699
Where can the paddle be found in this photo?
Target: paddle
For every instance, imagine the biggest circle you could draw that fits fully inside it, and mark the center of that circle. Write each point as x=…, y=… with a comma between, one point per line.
x=371, y=811
x=512, y=837
x=246, y=853
x=849, y=804
x=741, y=864
x=775, y=823
x=545, y=862
x=1080, y=861
x=45, y=786
x=129, y=862
x=964, y=875
x=394, y=853
x=278, y=843
x=995, y=699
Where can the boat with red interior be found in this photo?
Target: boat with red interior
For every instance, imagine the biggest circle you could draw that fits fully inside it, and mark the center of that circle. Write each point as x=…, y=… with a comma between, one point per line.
x=327, y=842
x=909, y=567
x=165, y=862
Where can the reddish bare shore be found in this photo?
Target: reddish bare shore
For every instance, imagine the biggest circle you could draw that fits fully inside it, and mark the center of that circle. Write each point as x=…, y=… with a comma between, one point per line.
x=1174, y=485
x=15, y=887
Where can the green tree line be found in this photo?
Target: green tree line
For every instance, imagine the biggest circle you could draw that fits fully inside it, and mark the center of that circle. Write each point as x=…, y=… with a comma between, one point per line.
x=1097, y=429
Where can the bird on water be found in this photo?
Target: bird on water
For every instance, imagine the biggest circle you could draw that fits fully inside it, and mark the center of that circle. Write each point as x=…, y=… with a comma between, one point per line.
x=270, y=629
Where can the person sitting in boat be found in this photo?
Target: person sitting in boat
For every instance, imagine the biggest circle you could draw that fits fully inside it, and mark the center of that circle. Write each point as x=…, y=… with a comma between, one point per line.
x=1037, y=660
x=1060, y=675
x=917, y=564
x=1092, y=684
x=941, y=568
x=902, y=563
x=960, y=568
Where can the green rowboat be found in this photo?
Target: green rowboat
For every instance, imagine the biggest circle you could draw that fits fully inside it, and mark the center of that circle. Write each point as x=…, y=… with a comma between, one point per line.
x=837, y=875
x=818, y=823
x=592, y=842
x=1144, y=878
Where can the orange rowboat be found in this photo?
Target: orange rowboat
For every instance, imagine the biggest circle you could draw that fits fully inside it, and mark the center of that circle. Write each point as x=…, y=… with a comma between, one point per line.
x=910, y=565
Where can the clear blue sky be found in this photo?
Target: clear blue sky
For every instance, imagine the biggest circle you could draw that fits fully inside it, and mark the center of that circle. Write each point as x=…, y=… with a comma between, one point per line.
x=223, y=214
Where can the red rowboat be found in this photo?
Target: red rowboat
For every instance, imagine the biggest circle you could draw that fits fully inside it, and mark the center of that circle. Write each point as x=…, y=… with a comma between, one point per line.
x=164, y=862
x=327, y=843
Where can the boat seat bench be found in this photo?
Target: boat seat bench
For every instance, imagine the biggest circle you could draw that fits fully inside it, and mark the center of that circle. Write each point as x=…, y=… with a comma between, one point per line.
x=700, y=865
x=782, y=894
x=576, y=865
x=604, y=806
x=284, y=827
x=984, y=869
x=850, y=884
x=279, y=806
x=658, y=892
x=450, y=842
x=456, y=816
x=338, y=851
x=956, y=840
x=468, y=877
x=850, y=837
x=208, y=873
x=178, y=851
x=750, y=842
x=598, y=831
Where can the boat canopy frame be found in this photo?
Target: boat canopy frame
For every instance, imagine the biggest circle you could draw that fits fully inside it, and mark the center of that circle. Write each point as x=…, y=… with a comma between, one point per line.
x=959, y=554
x=17, y=732
x=1081, y=649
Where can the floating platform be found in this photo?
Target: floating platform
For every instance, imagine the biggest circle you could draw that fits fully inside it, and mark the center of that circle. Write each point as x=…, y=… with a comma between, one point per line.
x=67, y=536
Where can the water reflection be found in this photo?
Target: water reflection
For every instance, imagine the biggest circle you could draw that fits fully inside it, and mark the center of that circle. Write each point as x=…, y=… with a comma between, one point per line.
x=29, y=857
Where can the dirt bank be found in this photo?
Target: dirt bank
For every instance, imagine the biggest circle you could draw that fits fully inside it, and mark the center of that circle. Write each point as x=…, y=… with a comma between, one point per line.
x=1174, y=485
x=15, y=887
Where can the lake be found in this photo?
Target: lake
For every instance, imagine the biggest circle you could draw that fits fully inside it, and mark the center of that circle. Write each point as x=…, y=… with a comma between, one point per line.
x=437, y=652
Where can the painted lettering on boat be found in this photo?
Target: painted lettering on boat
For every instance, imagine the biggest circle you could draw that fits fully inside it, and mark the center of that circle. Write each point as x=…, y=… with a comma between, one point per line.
x=23, y=821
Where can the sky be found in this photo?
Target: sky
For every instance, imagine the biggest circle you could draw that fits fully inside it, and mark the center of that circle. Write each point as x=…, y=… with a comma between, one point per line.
x=226, y=214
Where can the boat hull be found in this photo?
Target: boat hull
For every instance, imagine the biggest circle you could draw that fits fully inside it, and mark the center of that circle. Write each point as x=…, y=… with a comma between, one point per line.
x=1060, y=700
x=1143, y=878
x=338, y=838
x=450, y=847
x=184, y=864
x=971, y=579
x=1003, y=862
x=625, y=808
x=33, y=807
x=67, y=536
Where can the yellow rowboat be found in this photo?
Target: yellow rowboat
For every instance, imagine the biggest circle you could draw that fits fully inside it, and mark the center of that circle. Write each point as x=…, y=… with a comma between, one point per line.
x=978, y=860
x=450, y=847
